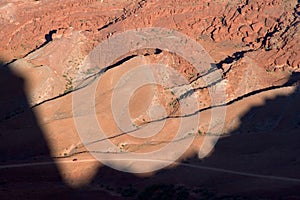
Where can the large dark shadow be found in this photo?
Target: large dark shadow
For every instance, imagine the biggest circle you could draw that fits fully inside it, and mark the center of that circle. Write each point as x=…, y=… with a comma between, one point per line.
x=258, y=160
x=22, y=141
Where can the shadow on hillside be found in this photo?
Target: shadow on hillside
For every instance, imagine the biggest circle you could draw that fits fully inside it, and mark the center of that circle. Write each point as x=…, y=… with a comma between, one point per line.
x=22, y=141
x=261, y=158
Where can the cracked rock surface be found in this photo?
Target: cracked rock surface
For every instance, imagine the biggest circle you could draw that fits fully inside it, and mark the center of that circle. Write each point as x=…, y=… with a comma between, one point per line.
x=45, y=44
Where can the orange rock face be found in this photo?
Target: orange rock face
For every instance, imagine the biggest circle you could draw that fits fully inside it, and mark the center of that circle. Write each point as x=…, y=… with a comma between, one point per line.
x=46, y=58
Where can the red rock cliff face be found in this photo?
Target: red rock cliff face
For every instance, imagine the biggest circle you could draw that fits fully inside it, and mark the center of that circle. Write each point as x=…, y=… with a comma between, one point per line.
x=270, y=27
x=254, y=46
x=60, y=35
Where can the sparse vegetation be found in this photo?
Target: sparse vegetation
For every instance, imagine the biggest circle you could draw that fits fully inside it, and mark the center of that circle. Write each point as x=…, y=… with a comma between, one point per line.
x=164, y=192
x=200, y=132
x=69, y=83
x=129, y=192
x=268, y=70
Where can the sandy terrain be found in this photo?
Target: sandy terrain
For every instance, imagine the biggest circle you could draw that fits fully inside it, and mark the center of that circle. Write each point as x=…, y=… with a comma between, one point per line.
x=51, y=148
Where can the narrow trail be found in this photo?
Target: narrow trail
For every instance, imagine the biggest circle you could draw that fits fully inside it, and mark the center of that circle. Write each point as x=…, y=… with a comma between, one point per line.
x=215, y=169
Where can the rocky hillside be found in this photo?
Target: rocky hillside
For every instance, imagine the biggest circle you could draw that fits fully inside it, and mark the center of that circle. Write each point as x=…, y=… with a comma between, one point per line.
x=46, y=50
